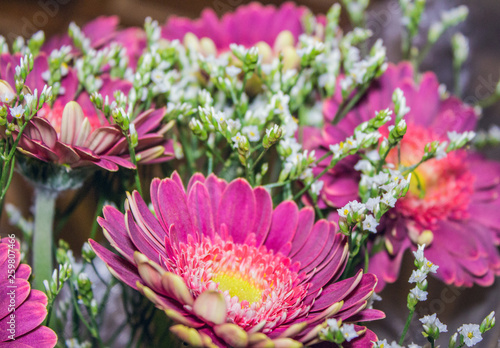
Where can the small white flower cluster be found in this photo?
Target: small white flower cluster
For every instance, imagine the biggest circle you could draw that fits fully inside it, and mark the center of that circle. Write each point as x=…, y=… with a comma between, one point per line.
x=432, y=326
x=337, y=332
x=471, y=334
x=418, y=276
x=460, y=45
x=353, y=213
x=459, y=140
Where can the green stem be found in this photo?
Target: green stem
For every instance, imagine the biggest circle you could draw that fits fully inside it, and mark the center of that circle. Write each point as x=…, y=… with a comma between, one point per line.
x=98, y=211
x=492, y=99
x=134, y=162
x=407, y=325
x=344, y=110
x=258, y=159
x=45, y=202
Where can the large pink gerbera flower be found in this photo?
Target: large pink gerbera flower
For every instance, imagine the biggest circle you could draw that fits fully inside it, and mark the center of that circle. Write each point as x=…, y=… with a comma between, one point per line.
x=454, y=213
x=22, y=310
x=266, y=23
x=230, y=269
x=71, y=132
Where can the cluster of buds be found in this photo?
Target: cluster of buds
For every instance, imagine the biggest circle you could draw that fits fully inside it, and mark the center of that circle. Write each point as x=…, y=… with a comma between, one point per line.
x=460, y=46
x=360, y=73
x=356, y=10
x=273, y=136
x=65, y=260
x=79, y=39
x=491, y=137
x=86, y=294
x=58, y=68
x=365, y=136
x=248, y=56
x=337, y=332
x=153, y=31
x=310, y=49
x=298, y=166
x=242, y=145
x=449, y=19
x=419, y=276
x=412, y=14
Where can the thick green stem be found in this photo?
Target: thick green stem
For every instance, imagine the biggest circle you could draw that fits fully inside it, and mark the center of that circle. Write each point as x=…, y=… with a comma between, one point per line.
x=407, y=325
x=45, y=202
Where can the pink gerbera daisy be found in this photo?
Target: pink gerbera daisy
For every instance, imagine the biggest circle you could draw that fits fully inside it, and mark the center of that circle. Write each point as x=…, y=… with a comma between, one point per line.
x=272, y=29
x=22, y=309
x=230, y=269
x=72, y=133
x=453, y=210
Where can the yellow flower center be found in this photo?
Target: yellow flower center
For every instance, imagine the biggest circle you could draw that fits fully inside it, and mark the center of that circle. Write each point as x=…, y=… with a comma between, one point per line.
x=470, y=335
x=244, y=288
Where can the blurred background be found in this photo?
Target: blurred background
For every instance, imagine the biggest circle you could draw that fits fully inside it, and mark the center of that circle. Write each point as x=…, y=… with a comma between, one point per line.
x=482, y=72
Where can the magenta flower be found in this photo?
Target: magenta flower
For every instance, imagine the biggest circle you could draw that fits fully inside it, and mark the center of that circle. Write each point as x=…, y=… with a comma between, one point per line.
x=455, y=212
x=22, y=310
x=272, y=29
x=230, y=269
x=72, y=133
x=101, y=32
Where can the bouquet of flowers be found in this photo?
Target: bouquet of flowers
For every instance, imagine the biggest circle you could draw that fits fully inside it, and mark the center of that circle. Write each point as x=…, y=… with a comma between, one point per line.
x=259, y=178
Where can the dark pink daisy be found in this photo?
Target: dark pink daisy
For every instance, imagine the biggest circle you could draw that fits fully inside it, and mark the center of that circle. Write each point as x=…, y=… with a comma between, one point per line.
x=454, y=212
x=249, y=25
x=22, y=309
x=101, y=32
x=71, y=132
x=229, y=269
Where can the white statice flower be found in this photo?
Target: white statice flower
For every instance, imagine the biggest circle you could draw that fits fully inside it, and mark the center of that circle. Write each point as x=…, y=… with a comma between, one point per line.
x=233, y=124
x=388, y=199
x=289, y=125
x=363, y=166
x=380, y=179
x=429, y=267
x=17, y=111
x=471, y=334
x=372, y=299
x=370, y=224
x=349, y=332
x=290, y=145
x=236, y=140
x=252, y=132
x=157, y=76
x=336, y=150
x=357, y=207
x=317, y=186
x=417, y=276
x=431, y=321
x=441, y=150
x=333, y=324
x=233, y=71
x=419, y=254
x=384, y=344
x=414, y=345
x=372, y=202
x=419, y=294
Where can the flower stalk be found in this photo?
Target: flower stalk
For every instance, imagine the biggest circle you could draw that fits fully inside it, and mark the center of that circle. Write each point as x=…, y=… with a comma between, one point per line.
x=45, y=201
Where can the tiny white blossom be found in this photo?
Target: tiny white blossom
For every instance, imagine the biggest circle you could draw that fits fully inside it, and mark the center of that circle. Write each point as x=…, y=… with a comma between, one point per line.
x=471, y=334
x=419, y=254
x=233, y=71
x=389, y=199
x=7, y=97
x=17, y=111
x=441, y=150
x=317, y=186
x=363, y=166
x=417, y=276
x=433, y=321
x=349, y=332
x=236, y=139
x=357, y=207
x=333, y=324
x=428, y=266
x=371, y=203
x=252, y=132
x=370, y=224
x=419, y=294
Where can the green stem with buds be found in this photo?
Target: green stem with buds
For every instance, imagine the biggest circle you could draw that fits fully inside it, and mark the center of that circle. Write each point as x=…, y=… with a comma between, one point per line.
x=45, y=202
